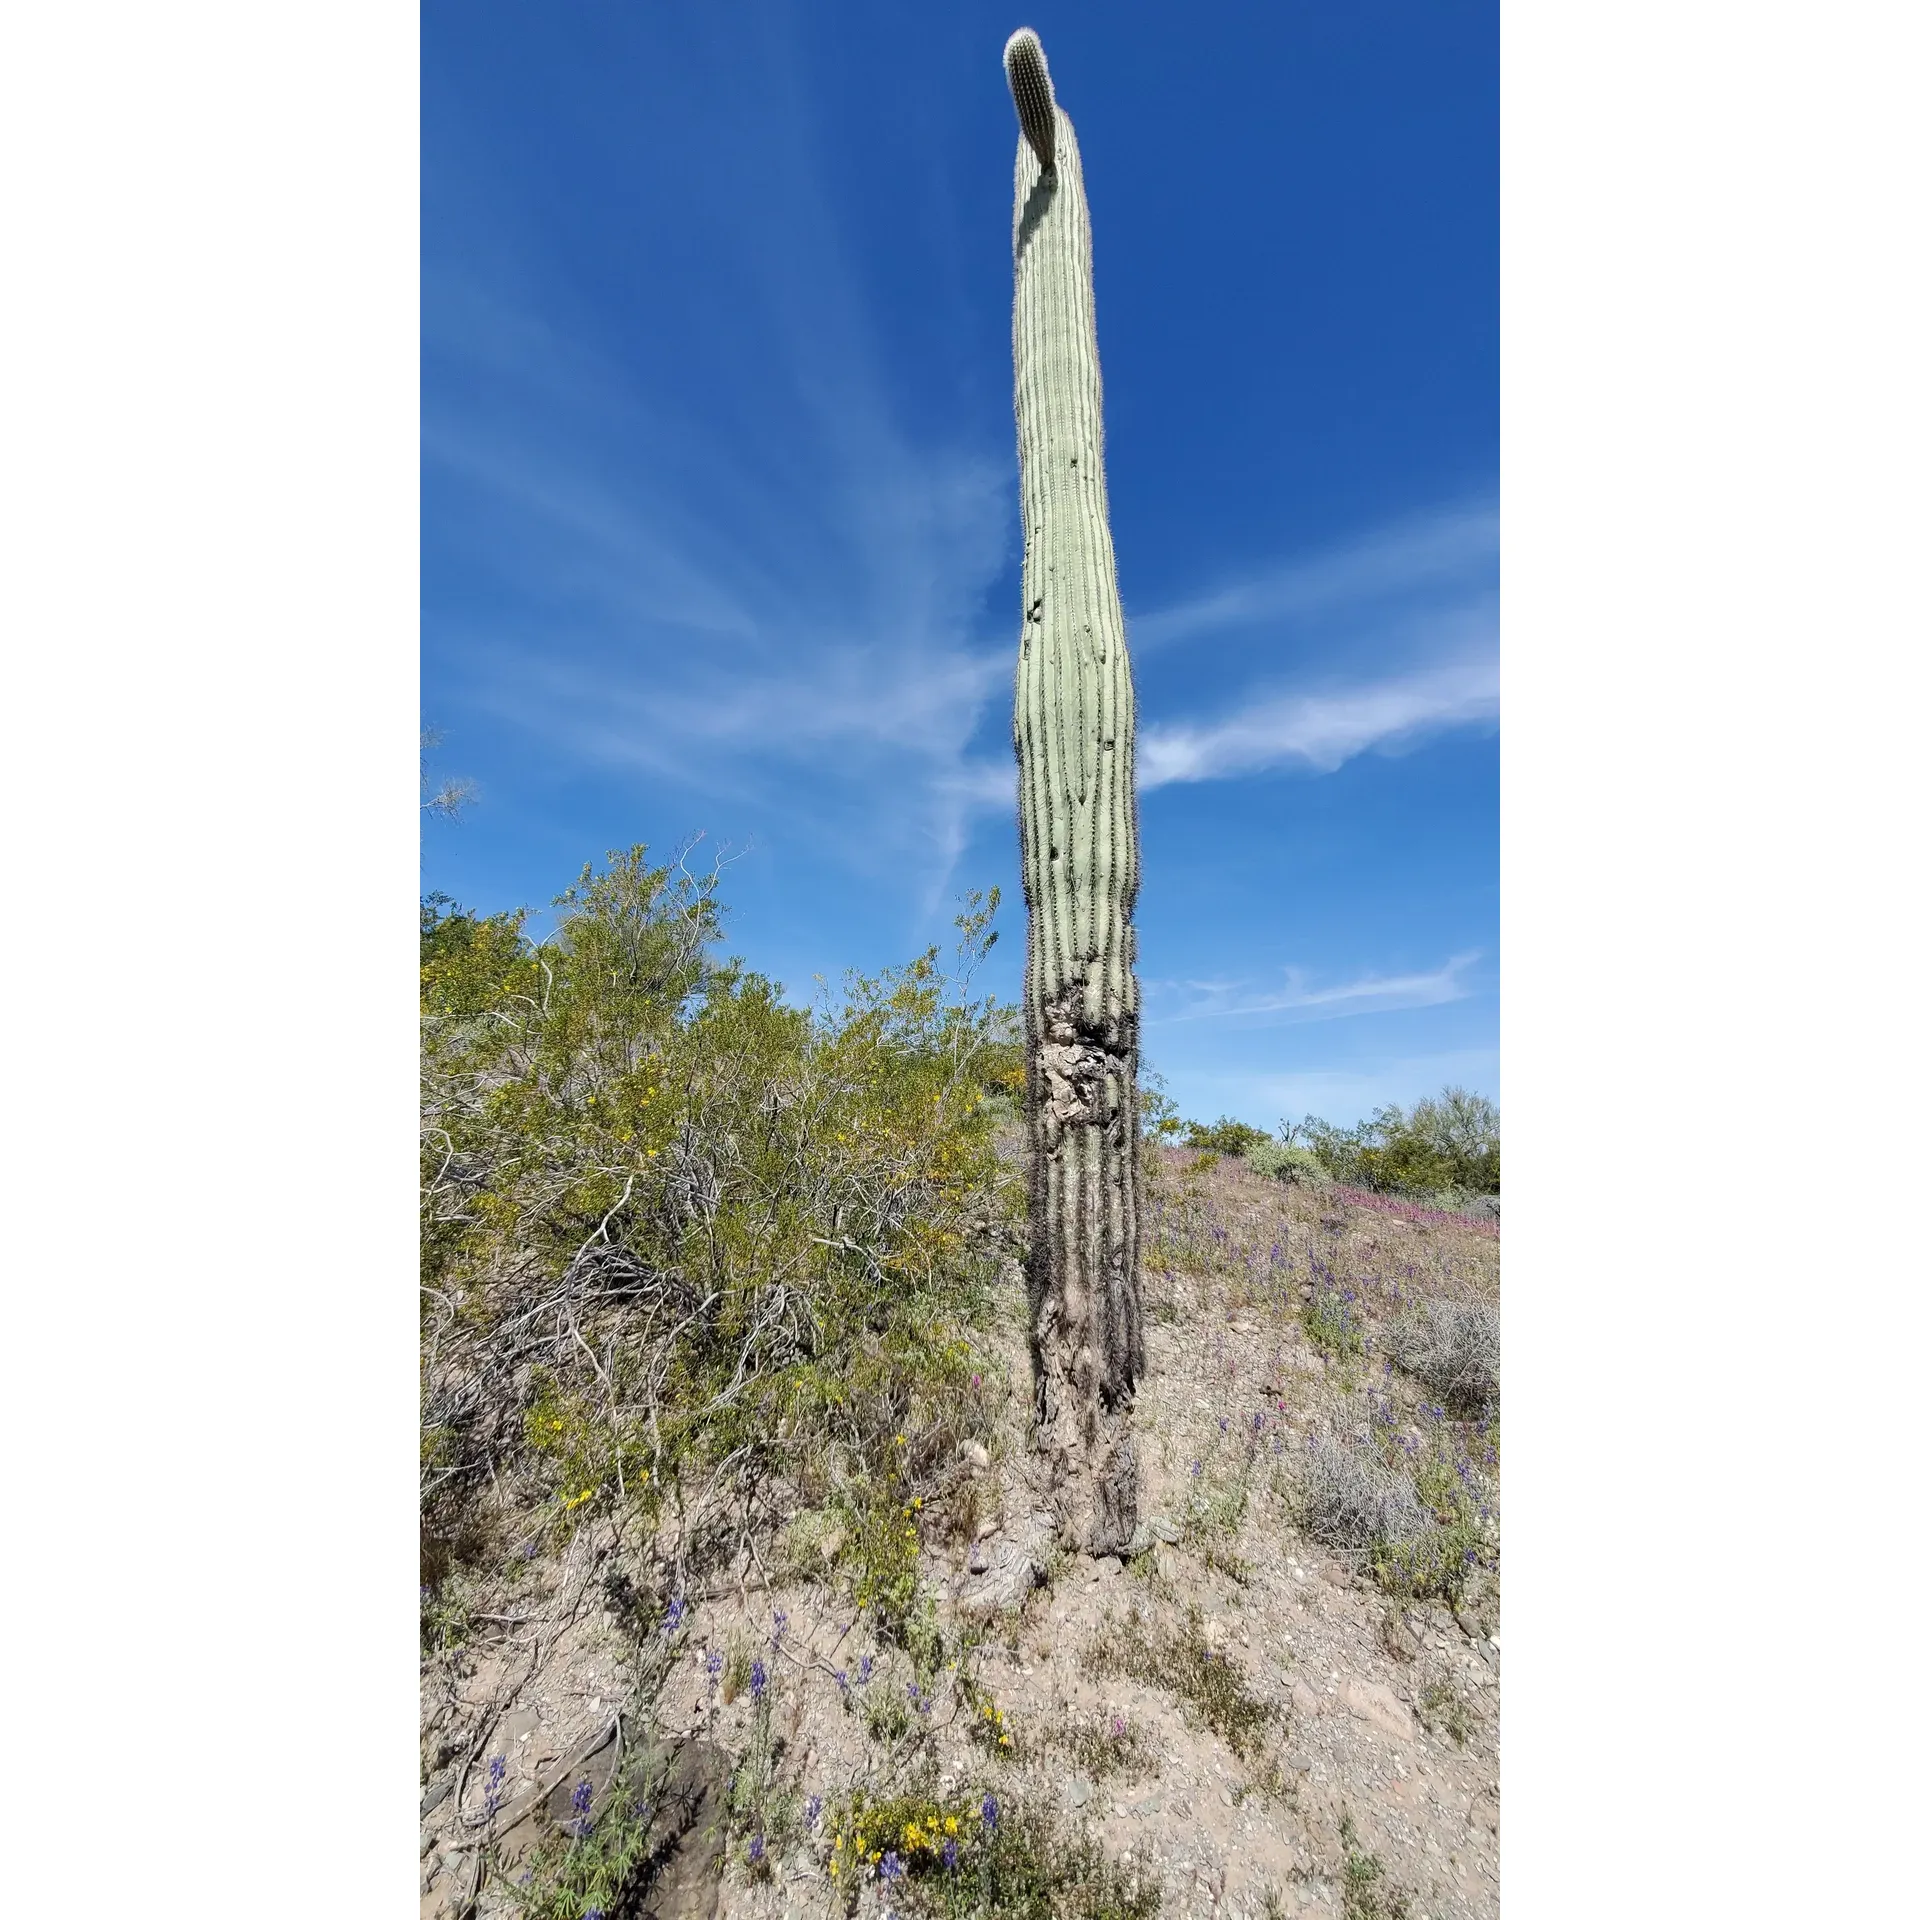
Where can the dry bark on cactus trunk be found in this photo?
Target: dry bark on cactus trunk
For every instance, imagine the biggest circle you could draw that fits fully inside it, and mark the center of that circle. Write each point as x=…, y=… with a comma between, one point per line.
x=1074, y=738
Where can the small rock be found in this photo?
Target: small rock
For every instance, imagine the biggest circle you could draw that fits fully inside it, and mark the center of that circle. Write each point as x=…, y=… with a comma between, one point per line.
x=518, y=1725
x=977, y=1559
x=1306, y=1703
x=1369, y=1701
x=975, y=1455
x=1079, y=1791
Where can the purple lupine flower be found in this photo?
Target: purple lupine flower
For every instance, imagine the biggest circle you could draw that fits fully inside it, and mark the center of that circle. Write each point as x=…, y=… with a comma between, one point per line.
x=950, y=1854
x=757, y=1849
x=990, y=1813
x=1259, y=1421
x=675, y=1612
x=496, y=1772
x=840, y=1674
x=1223, y=1423
x=757, y=1679
x=866, y=1668
x=813, y=1810
x=892, y=1867
x=582, y=1807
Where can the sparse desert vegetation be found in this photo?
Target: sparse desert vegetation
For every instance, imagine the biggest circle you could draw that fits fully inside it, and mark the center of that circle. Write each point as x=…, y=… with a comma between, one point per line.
x=732, y=1594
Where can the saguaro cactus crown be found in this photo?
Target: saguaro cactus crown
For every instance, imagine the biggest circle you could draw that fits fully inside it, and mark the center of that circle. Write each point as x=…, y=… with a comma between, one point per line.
x=1079, y=846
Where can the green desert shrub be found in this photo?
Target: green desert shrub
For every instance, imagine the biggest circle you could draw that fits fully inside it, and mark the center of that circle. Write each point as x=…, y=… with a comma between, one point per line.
x=680, y=1237
x=1291, y=1164
x=1234, y=1138
x=1448, y=1145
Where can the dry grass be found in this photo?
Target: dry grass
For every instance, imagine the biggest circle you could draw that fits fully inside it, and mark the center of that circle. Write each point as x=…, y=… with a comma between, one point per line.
x=1354, y=1503
x=1454, y=1347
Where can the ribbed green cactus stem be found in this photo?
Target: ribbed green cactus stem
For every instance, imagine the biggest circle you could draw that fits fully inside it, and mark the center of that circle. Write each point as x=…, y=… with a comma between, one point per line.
x=1079, y=847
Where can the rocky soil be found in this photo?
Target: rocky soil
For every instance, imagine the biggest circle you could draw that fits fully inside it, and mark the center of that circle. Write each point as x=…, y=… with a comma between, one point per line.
x=1374, y=1720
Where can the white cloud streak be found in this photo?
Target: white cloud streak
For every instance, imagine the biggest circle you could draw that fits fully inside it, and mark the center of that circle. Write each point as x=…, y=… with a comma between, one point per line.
x=1322, y=731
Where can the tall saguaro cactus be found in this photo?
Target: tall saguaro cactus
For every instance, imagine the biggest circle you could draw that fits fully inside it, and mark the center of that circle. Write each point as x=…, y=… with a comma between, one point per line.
x=1079, y=848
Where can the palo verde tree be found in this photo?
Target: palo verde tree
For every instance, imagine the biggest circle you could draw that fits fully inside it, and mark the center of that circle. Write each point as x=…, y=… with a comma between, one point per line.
x=1079, y=848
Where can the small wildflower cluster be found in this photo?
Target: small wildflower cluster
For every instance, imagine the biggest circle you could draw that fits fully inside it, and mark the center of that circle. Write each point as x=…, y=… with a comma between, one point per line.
x=891, y=1839
x=582, y=1823
x=586, y=1865
x=990, y=1727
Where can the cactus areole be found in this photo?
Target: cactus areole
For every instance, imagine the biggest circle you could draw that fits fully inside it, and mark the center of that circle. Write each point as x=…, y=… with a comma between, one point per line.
x=1073, y=730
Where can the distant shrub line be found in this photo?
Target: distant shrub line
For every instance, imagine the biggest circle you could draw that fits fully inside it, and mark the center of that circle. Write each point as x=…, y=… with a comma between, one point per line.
x=1445, y=1151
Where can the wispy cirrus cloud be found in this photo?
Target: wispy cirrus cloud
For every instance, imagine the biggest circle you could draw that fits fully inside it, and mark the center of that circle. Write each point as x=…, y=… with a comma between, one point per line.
x=1388, y=638
x=1438, y=558
x=1296, y=999
x=810, y=649
x=1321, y=731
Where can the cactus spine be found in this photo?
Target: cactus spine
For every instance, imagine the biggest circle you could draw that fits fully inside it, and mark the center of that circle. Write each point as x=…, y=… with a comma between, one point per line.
x=1079, y=847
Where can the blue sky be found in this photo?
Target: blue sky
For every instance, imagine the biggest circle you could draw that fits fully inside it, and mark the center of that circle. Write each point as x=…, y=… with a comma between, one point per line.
x=720, y=515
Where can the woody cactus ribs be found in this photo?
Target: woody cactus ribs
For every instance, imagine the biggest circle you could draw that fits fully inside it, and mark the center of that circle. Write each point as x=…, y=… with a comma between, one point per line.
x=1073, y=723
